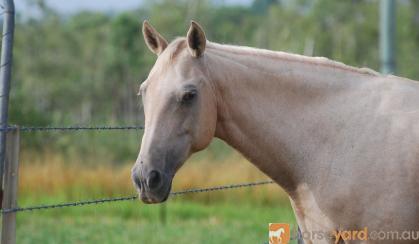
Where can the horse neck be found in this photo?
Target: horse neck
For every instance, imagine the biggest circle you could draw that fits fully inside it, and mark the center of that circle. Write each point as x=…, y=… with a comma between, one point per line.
x=271, y=106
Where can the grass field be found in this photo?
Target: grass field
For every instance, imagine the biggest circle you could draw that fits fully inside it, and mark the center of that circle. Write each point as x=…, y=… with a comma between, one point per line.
x=132, y=222
x=231, y=216
x=52, y=175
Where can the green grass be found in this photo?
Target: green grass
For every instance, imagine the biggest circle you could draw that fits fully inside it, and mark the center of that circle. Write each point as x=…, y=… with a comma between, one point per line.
x=133, y=222
x=234, y=216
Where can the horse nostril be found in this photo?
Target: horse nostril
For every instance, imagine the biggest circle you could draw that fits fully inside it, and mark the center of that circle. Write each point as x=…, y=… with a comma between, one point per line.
x=153, y=179
x=136, y=180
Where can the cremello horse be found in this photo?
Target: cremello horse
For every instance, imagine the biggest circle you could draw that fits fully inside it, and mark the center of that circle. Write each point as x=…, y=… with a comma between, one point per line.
x=343, y=142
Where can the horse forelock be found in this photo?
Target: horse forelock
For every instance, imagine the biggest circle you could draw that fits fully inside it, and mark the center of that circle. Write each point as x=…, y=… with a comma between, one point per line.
x=176, y=47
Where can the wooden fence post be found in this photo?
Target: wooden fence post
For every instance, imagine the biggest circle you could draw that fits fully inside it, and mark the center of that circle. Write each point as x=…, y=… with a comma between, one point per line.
x=11, y=170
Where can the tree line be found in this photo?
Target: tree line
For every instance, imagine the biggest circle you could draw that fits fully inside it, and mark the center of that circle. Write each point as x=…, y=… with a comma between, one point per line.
x=86, y=68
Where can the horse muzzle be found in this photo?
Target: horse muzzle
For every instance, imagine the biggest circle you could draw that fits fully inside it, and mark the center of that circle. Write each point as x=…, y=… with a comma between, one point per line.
x=153, y=185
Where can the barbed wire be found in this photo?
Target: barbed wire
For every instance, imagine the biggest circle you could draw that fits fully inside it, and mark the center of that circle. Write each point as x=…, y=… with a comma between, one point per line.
x=70, y=128
x=133, y=197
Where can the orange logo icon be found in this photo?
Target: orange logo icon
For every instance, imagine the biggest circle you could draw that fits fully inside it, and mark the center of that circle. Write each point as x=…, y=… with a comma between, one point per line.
x=279, y=233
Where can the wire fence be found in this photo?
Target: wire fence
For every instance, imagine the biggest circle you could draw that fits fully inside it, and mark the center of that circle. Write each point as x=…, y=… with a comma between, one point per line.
x=111, y=199
x=70, y=128
x=133, y=197
x=9, y=185
x=4, y=128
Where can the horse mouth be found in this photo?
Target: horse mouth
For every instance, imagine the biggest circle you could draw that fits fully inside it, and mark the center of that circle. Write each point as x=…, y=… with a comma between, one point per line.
x=159, y=196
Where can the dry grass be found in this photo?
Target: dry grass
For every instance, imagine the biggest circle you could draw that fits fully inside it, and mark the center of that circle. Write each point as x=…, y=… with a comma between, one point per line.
x=51, y=175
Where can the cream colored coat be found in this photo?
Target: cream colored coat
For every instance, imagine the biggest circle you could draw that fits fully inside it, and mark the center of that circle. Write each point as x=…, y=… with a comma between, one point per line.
x=343, y=142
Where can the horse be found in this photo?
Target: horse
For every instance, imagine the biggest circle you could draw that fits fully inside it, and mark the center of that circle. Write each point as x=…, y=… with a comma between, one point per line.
x=343, y=142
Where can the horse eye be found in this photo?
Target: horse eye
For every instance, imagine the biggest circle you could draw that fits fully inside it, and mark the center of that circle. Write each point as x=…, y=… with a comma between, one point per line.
x=188, y=96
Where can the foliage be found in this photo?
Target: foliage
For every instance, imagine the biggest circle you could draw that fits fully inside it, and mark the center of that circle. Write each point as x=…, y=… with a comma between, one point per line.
x=86, y=68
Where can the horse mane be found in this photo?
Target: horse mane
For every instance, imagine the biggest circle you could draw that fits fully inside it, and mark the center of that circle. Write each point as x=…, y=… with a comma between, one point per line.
x=179, y=44
x=290, y=57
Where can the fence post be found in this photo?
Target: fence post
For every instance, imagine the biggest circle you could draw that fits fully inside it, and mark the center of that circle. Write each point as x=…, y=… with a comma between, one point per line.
x=11, y=170
x=5, y=76
x=387, y=36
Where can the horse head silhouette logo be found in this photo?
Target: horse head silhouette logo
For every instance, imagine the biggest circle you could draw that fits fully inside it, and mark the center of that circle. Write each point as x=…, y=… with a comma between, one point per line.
x=279, y=233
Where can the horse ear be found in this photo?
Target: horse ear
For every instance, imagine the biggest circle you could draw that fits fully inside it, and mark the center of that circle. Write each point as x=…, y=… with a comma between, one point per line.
x=196, y=40
x=155, y=42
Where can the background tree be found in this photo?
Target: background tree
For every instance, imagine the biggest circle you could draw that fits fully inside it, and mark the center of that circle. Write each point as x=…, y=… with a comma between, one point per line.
x=86, y=68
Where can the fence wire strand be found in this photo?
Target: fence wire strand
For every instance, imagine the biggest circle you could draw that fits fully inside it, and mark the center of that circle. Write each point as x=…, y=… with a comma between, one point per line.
x=130, y=198
x=70, y=128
